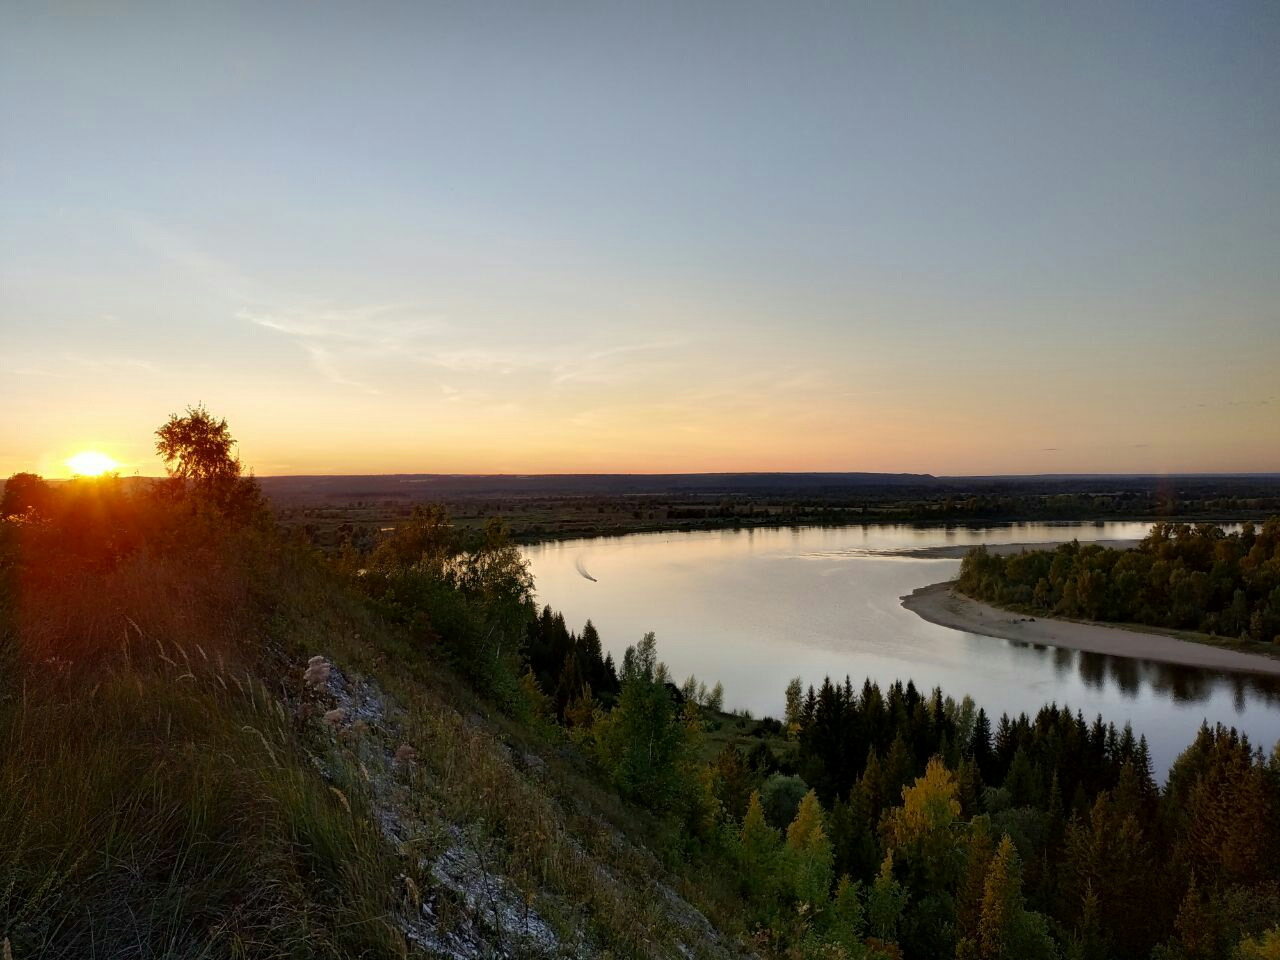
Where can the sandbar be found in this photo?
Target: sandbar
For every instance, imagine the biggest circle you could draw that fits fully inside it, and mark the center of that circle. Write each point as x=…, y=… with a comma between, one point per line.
x=940, y=603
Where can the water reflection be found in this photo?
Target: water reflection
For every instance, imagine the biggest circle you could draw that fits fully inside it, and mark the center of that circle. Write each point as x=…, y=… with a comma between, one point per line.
x=1182, y=684
x=755, y=607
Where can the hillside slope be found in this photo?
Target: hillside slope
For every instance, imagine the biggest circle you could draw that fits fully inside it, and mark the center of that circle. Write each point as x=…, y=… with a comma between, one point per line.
x=213, y=744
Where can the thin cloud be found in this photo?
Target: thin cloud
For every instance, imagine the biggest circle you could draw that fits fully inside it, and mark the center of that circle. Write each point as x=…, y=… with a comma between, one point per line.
x=602, y=366
x=112, y=363
x=173, y=248
x=394, y=333
x=322, y=361
x=371, y=332
x=72, y=366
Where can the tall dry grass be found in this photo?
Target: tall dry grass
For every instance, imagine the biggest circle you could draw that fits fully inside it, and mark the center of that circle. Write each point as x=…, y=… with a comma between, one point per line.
x=156, y=796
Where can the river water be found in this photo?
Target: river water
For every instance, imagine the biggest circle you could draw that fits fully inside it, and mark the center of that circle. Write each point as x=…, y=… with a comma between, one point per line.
x=753, y=608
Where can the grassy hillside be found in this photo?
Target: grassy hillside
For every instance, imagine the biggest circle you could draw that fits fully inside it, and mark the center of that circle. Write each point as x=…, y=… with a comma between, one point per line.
x=214, y=744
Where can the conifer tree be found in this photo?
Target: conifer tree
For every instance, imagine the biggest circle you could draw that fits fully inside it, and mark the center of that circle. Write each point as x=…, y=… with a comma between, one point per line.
x=809, y=854
x=733, y=781
x=1197, y=931
x=898, y=770
x=885, y=902
x=758, y=847
x=979, y=848
x=848, y=915
x=1002, y=904
x=980, y=746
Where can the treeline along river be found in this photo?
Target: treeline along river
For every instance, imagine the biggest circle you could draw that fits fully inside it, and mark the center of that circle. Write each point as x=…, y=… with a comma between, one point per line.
x=753, y=608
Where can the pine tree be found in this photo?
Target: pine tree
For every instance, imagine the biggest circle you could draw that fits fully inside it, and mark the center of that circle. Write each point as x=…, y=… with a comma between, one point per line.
x=1023, y=781
x=885, y=902
x=758, y=848
x=1007, y=930
x=980, y=746
x=899, y=769
x=847, y=914
x=857, y=849
x=732, y=781
x=1196, y=926
x=1001, y=904
x=872, y=784
x=969, y=789
x=1088, y=942
x=809, y=853
x=581, y=713
x=979, y=848
x=1111, y=855
x=593, y=656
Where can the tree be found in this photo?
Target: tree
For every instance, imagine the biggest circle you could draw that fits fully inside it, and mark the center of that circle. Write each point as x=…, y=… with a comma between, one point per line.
x=427, y=536
x=1265, y=947
x=25, y=495
x=1196, y=926
x=196, y=448
x=979, y=848
x=848, y=915
x=1007, y=930
x=1001, y=904
x=643, y=739
x=715, y=699
x=809, y=853
x=733, y=781
x=885, y=902
x=919, y=833
x=794, y=708
x=980, y=745
x=197, y=453
x=1110, y=855
x=781, y=796
x=757, y=846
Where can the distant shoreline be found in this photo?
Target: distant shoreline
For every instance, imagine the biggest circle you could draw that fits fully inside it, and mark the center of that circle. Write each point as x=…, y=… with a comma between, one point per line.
x=940, y=603
x=959, y=551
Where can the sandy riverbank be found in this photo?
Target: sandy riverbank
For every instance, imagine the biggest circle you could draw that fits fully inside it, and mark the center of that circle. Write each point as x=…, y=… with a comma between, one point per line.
x=940, y=604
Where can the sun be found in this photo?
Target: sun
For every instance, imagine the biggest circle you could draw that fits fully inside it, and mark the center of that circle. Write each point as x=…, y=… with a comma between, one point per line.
x=90, y=463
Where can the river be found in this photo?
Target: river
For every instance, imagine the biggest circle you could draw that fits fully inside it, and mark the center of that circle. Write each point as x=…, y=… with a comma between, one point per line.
x=753, y=608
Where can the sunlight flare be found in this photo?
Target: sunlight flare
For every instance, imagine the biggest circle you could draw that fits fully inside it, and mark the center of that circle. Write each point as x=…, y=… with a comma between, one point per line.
x=91, y=463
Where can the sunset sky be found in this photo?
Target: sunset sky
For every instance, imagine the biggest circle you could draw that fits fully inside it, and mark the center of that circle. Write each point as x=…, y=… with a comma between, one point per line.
x=556, y=237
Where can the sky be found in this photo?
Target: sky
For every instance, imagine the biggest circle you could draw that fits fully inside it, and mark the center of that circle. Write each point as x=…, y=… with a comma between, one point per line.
x=644, y=237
